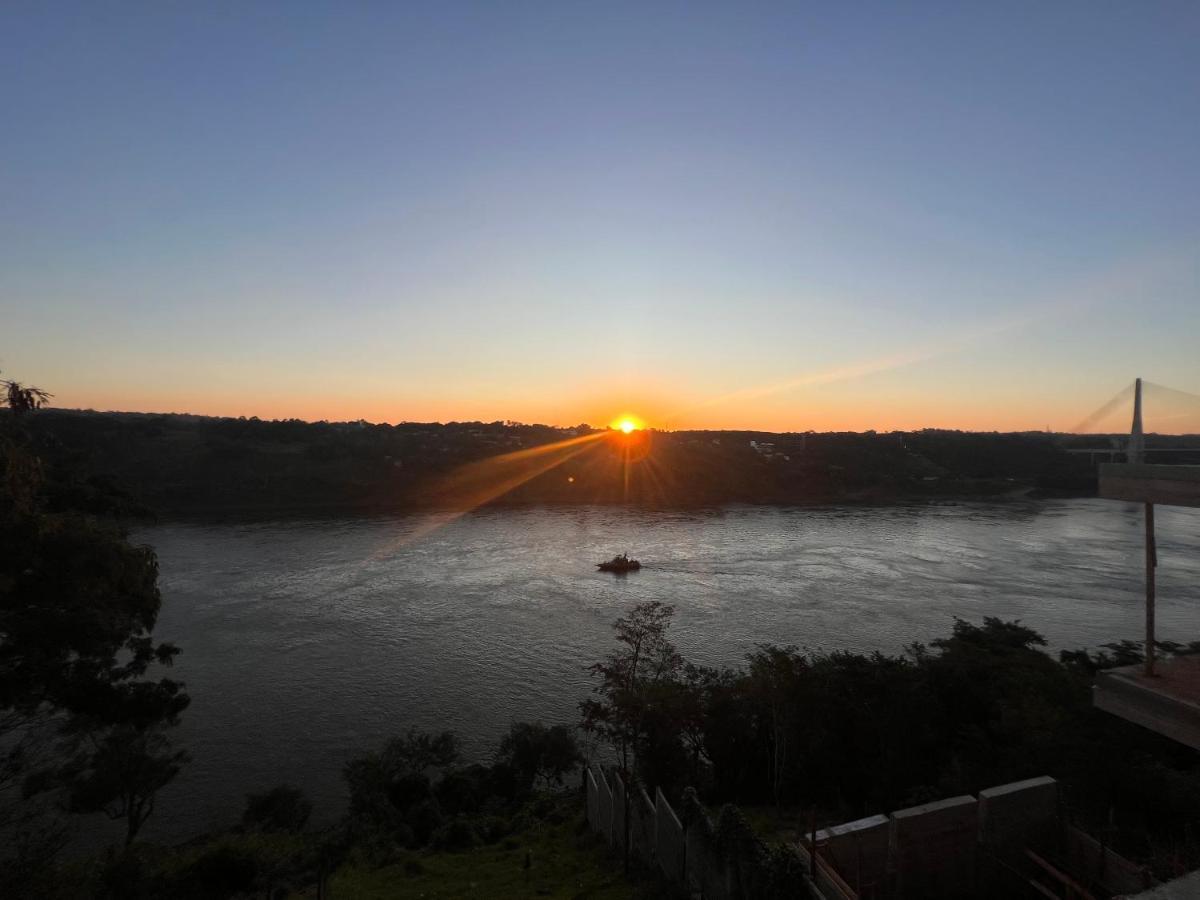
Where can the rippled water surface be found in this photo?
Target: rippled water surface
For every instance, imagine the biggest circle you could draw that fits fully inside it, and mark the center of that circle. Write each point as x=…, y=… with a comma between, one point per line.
x=307, y=641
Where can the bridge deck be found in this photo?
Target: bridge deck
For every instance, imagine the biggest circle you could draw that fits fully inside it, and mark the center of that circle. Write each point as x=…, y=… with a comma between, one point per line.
x=1151, y=483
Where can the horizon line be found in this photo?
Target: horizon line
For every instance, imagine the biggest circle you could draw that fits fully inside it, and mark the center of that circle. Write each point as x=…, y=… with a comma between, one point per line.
x=606, y=427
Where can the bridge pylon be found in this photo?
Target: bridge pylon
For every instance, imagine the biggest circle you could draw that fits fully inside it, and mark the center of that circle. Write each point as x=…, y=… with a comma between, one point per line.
x=1137, y=439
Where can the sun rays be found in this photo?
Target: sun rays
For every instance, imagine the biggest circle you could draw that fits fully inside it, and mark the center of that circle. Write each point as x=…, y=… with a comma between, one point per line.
x=475, y=484
x=625, y=444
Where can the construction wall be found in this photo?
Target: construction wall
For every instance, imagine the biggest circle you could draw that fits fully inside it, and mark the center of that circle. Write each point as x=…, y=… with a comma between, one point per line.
x=958, y=847
x=670, y=849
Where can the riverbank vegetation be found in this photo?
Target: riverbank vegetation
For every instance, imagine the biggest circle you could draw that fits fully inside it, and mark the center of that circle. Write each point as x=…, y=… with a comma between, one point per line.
x=420, y=823
x=818, y=738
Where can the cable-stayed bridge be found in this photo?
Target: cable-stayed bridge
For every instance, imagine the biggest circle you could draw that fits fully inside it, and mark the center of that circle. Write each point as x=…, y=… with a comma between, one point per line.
x=1168, y=411
x=1164, y=698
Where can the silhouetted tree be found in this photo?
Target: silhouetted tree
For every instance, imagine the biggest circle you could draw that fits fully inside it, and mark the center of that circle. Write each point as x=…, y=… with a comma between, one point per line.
x=78, y=604
x=535, y=752
x=282, y=808
x=392, y=789
x=776, y=680
x=21, y=398
x=119, y=772
x=636, y=685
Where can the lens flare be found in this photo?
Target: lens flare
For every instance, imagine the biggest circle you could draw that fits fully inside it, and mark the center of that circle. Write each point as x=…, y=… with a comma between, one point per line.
x=626, y=423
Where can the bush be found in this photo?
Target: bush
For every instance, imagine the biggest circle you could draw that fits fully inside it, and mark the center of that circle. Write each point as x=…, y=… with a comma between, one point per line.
x=424, y=819
x=492, y=828
x=282, y=808
x=537, y=753
x=413, y=868
x=457, y=834
x=464, y=790
x=221, y=871
x=409, y=790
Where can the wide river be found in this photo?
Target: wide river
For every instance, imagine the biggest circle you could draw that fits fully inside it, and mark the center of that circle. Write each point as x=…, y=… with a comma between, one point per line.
x=308, y=642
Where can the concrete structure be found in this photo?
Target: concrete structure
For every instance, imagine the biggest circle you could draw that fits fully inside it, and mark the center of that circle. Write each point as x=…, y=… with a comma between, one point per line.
x=859, y=851
x=1018, y=815
x=670, y=848
x=618, y=811
x=933, y=848
x=1164, y=696
x=1167, y=701
x=704, y=866
x=1151, y=483
x=1148, y=485
x=593, y=797
x=642, y=827
x=1137, y=439
x=1010, y=842
x=604, y=807
x=1185, y=888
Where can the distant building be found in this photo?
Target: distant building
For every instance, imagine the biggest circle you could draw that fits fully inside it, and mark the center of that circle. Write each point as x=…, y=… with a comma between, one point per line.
x=766, y=449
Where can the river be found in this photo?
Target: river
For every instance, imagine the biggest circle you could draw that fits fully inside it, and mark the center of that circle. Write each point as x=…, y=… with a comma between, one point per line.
x=306, y=642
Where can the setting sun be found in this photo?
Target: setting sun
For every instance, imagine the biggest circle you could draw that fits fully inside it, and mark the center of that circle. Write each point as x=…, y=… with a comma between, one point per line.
x=627, y=423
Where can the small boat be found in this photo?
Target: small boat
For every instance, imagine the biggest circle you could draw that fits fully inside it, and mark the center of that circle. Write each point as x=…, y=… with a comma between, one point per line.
x=620, y=563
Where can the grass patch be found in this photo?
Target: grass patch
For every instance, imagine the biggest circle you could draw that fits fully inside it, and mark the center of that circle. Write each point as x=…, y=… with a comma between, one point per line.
x=564, y=861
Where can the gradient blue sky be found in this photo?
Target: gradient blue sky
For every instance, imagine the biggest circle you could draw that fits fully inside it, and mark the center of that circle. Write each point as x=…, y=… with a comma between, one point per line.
x=782, y=216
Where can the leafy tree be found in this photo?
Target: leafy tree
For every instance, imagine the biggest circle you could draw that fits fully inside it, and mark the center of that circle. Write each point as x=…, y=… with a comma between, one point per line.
x=119, y=773
x=642, y=697
x=537, y=753
x=22, y=398
x=282, y=808
x=392, y=788
x=776, y=678
x=78, y=604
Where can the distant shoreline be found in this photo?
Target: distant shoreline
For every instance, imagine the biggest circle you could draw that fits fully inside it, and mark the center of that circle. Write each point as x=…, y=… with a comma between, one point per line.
x=185, y=467
x=271, y=512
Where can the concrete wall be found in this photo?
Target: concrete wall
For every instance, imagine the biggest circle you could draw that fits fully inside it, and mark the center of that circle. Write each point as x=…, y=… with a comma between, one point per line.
x=1089, y=857
x=933, y=848
x=670, y=848
x=642, y=826
x=593, y=800
x=603, y=807
x=707, y=873
x=617, y=835
x=931, y=852
x=859, y=851
x=964, y=847
x=1185, y=888
x=1018, y=815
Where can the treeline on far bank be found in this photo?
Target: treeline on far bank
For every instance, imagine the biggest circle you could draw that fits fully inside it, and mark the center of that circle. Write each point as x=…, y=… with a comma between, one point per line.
x=184, y=464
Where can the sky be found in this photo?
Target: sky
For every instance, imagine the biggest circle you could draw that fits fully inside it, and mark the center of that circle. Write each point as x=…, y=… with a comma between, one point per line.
x=773, y=216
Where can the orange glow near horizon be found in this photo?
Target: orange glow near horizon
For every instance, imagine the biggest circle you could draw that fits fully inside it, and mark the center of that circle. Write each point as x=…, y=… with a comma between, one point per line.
x=627, y=423
x=902, y=410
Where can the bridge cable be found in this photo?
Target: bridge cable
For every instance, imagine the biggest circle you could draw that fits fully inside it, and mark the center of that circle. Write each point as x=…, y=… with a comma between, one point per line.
x=1125, y=395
